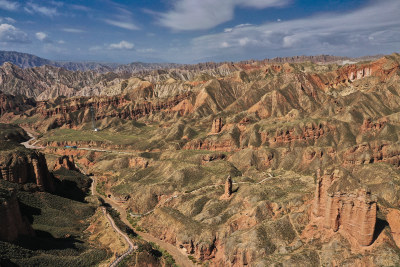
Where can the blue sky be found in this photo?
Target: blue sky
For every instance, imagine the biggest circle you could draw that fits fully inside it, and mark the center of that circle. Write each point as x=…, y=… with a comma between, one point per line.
x=189, y=31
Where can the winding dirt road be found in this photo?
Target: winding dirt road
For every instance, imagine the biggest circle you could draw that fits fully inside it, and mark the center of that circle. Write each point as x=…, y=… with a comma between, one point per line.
x=132, y=246
x=179, y=256
x=27, y=143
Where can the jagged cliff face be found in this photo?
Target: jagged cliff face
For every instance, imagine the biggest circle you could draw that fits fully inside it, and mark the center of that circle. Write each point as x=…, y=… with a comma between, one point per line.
x=12, y=223
x=274, y=125
x=66, y=162
x=20, y=165
x=343, y=204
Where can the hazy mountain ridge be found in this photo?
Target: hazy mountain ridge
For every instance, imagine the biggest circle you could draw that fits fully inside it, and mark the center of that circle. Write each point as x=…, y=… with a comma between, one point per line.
x=24, y=60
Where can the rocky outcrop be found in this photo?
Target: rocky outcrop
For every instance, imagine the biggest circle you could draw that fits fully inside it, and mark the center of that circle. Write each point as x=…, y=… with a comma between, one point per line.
x=217, y=126
x=25, y=166
x=341, y=204
x=393, y=218
x=368, y=125
x=373, y=152
x=211, y=157
x=212, y=145
x=12, y=224
x=67, y=162
x=228, y=187
x=306, y=133
x=107, y=107
x=138, y=162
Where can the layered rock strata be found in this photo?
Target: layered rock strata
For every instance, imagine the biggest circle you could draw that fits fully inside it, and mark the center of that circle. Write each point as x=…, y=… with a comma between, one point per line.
x=341, y=206
x=217, y=126
x=228, y=187
x=67, y=162
x=29, y=167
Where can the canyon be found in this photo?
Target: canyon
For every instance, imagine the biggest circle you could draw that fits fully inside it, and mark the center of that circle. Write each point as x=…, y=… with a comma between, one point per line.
x=310, y=148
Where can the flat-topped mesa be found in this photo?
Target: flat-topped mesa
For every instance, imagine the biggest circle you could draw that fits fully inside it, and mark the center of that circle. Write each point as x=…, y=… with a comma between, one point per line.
x=342, y=203
x=66, y=161
x=217, y=126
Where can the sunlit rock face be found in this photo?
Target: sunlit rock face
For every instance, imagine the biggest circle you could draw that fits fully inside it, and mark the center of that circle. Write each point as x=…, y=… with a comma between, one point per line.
x=342, y=204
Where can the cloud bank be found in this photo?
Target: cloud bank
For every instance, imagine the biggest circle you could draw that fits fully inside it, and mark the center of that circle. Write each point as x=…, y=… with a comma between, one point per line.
x=11, y=34
x=206, y=14
x=376, y=27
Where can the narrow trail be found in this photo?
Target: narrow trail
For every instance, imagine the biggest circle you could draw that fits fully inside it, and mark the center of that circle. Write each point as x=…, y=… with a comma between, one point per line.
x=179, y=256
x=132, y=246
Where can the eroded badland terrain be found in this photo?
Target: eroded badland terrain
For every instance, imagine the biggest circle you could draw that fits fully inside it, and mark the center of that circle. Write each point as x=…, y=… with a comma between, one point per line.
x=253, y=163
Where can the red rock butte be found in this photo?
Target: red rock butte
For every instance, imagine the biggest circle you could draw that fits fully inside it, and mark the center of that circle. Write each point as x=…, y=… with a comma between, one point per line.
x=341, y=207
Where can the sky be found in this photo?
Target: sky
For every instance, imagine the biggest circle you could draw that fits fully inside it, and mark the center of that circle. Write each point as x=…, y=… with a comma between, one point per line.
x=191, y=31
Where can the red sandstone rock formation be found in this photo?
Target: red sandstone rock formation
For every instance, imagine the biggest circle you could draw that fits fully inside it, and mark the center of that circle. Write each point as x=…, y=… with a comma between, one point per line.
x=217, y=126
x=393, y=218
x=367, y=153
x=138, y=162
x=309, y=132
x=208, y=158
x=228, y=187
x=212, y=145
x=30, y=167
x=12, y=224
x=67, y=162
x=341, y=204
x=369, y=126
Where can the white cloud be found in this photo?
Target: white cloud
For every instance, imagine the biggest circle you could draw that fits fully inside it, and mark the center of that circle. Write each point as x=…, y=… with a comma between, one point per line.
x=206, y=14
x=243, y=25
x=41, y=36
x=244, y=41
x=121, y=17
x=122, y=24
x=10, y=34
x=225, y=45
x=73, y=30
x=373, y=29
x=8, y=20
x=9, y=5
x=123, y=45
x=43, y=10
x=61, y=42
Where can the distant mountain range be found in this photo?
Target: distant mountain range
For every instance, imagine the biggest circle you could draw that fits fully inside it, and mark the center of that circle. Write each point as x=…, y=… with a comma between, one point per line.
x=24, y=60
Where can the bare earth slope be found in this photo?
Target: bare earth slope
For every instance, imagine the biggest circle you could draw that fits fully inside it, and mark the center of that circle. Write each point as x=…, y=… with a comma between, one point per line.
x=312, y=151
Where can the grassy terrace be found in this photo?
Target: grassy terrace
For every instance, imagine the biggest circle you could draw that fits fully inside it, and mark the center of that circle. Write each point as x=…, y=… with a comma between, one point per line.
x=60, y=135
